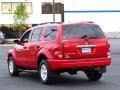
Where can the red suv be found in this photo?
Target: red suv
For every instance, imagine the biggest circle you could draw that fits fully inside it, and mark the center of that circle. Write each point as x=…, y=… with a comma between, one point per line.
x=53, y=48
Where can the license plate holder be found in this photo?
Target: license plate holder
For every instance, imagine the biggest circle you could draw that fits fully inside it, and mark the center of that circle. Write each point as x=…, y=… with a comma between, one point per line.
x=86, y=50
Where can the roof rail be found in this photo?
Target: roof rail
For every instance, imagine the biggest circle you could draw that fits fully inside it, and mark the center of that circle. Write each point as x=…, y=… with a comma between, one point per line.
x=42, y=23
x=50, y=23
x=88, y=21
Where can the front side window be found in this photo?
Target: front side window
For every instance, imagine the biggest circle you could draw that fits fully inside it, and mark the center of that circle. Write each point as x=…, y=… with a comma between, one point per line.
x=78, y=31
x=50, y=33
x=36, y=34
x=25, y=37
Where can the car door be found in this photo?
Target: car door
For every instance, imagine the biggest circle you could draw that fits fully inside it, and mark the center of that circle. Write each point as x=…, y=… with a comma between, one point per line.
x=22, y=49
x=34, y=47
x=50, y=40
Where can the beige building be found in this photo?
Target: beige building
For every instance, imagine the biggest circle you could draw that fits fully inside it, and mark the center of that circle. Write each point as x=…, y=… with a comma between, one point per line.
x=104, y=12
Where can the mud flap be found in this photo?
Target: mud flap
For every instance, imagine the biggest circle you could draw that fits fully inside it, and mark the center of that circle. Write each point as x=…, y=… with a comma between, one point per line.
x=102, y=70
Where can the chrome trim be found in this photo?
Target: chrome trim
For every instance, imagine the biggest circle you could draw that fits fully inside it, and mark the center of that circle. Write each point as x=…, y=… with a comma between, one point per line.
x=85, y=46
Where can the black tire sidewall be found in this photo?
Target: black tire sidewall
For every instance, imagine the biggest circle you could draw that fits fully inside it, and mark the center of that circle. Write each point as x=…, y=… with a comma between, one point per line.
x=93, y=75
x=48, y=71
x=15, y=70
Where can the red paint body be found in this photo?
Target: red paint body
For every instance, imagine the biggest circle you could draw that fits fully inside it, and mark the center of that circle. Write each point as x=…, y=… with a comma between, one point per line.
x=60, y=53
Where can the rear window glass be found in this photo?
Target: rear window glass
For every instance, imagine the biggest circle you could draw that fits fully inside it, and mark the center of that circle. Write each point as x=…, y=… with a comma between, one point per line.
x=78, y=31
x=51, y=33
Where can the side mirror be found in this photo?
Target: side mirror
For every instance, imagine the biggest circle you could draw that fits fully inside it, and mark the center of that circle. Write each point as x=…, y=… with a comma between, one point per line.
x=17, y=41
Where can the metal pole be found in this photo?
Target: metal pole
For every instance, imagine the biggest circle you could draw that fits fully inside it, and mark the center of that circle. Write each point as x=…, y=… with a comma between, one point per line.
x=53, y=10
x=10, y=12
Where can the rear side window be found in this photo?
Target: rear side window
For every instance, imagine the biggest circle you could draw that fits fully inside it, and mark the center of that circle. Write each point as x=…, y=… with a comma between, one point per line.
x=51, y=33
x=36, y=34
x=78, y=31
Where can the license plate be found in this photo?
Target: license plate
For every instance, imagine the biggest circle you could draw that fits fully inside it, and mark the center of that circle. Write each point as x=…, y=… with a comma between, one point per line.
x=86, y=50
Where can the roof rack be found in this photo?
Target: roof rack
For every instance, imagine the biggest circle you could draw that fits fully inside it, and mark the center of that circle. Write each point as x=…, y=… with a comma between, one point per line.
x=88, y=21
x=50, y=23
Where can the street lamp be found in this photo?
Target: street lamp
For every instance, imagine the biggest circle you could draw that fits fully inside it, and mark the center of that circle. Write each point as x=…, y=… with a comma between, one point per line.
x=61, y=10
x=9, y=13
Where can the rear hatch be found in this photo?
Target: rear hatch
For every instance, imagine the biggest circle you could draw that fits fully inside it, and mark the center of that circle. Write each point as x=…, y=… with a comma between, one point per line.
x=83, y=41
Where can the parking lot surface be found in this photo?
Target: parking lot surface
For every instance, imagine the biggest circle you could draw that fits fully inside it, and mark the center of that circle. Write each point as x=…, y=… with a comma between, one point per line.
x=30, y=80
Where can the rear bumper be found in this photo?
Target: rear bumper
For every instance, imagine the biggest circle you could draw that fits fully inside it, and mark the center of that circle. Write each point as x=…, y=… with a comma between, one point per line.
x=79, y=63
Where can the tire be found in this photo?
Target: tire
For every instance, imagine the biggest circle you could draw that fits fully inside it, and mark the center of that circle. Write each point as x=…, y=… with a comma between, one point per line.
x=93, y=75
x=45, y=73
x=13, y=71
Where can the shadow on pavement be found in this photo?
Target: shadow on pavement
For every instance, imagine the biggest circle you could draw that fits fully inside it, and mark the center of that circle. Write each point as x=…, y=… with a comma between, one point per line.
x=63, y=80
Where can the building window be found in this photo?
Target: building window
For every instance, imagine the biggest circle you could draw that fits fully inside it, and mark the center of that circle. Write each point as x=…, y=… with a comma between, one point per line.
x=9, y=7
x=47, y=8
x=28, y=7
x=6, y=8
x=13, y=7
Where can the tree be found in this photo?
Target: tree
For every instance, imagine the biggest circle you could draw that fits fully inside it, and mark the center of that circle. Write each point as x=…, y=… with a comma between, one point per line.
x=20, y=16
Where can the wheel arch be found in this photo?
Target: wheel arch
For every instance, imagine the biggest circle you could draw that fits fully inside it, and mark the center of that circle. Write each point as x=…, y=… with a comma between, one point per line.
x=40, y=58
x=11, y=53
x=43, y=54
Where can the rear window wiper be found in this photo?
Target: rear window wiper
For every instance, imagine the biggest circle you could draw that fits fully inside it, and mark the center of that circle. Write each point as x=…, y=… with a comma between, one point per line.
x=89, y=37
x=84, y=37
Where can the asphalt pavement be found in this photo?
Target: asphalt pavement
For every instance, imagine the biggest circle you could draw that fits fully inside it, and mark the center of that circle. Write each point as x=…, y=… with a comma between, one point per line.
x=30, y=80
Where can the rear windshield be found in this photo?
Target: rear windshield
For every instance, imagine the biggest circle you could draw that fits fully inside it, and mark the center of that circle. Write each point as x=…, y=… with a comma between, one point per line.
x=78, y=31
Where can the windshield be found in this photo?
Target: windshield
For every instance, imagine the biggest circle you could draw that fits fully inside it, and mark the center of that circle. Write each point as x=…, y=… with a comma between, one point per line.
x=78, y=31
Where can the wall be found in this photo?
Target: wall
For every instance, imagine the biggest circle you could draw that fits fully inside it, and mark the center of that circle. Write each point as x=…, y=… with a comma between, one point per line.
x=106, y=13
x=35, y=18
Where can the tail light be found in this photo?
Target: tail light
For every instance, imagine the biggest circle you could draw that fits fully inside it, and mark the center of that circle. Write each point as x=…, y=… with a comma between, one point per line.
x=57, y=50
x=108, y=52
x=58, y=55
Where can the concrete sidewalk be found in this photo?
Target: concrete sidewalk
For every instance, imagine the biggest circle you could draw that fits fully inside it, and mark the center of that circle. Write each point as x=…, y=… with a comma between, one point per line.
x=1, y=45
